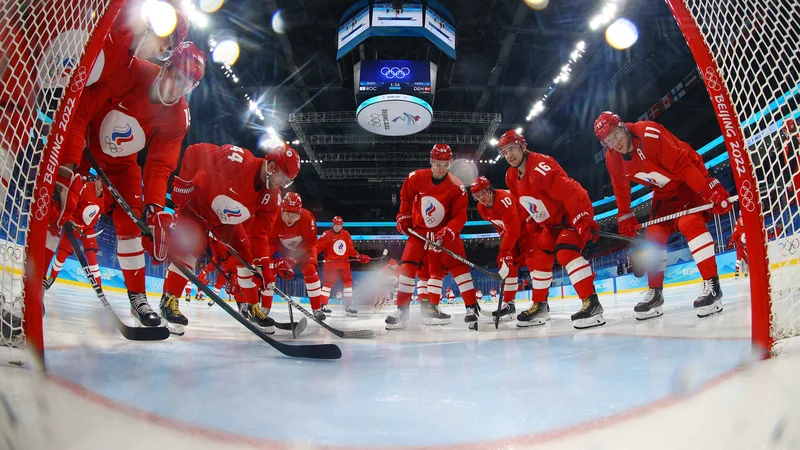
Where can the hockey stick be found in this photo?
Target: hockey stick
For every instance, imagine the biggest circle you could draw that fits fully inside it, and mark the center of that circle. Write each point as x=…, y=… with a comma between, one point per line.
x=674, y=216
x=378, y=258
x=315, y=351
x=457, y=257
x=280, y=325
x=130, y=333
x=499, y=305
x=358, y=334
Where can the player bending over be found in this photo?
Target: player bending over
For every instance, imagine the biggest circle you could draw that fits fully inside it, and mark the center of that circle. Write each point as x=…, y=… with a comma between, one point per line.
x=218, y=190
x=738, y=240
x=554, y=202
x=433, y=203
x=647, y=153
x=337, y=248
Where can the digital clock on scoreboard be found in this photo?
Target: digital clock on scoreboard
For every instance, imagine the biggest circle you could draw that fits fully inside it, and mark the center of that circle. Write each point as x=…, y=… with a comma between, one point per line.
x=395, y=76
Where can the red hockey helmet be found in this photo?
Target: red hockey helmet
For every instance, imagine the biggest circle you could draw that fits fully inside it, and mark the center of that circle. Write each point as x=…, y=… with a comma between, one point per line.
x=441, y=152
x=789, y=129
x=605, y=124
x=287, y=159
x=338, y=221
x=479, y=184
x=292, y=203
x=189, y=64
x=511, y=137
x=181, y=28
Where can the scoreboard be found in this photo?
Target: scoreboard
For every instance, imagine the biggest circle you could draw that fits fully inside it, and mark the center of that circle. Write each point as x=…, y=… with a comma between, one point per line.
x=394, y=77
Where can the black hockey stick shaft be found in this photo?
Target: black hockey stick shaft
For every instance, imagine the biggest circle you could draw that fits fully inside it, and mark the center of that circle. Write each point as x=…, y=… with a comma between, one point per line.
x=457, y=257
x=290, y=301
x=499, y=305
x=130, y=333
x=314, y=351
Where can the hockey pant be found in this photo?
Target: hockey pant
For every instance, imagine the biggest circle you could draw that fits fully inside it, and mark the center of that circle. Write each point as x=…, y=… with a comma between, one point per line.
x=692, y=226
x=562, y=245
x=313, y=288
x=333, y=271
x=439, y=263
x=58, y=245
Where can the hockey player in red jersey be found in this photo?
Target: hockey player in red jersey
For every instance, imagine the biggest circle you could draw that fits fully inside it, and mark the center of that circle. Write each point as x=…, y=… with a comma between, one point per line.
x=337, y=248
x=497, y=206
x=647, y=153
x=90, y=207
x=295, y=236
x=433, y=203
x=218, y=190
x=554, y=202
x=144, y=106
x=738, y=240
x=451, y=296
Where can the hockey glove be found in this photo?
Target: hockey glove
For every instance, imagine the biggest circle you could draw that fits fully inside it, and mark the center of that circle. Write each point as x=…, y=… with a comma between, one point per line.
x=263, y=267
x=233, y=285
x=713, y=192
x=403, y=223
x=504, y=262
x=69, y=185
x=364, y=259
x=445, y=236
x=181, y=191
x=627, y=224
x=730, y=244
x=161, y=224
x=586, y=227
x=283, y=267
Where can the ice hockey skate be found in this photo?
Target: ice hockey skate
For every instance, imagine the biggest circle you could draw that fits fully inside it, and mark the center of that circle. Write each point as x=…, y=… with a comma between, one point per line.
x=261, y=318
x=325, y=310
x=710, y=300
x=471, y=318
x=320, y=315
x=507, y=310
x=398, y=319
x=170, y=311
x=350, y=311
x=433, y=315
x=537, y=314
x=590, y=314
x=141, y=311
x=652, y=305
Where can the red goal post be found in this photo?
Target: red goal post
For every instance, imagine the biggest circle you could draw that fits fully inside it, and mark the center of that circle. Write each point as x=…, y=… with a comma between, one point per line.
x=48, y=49
x=747, y=53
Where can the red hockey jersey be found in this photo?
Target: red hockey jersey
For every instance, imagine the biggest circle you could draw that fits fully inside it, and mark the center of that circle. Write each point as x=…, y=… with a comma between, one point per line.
x=659, y=160
x=338, y=247
x=433, y=206
x=737, y=238
x=229, y=192
x=121, y=121
x=546, y=193
x=298, y=241
x=503, y=215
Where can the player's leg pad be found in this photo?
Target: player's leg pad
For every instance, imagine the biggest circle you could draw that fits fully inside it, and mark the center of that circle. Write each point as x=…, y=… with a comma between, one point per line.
x=590, y=315
x=710, y=300
x=537, y=314
x=398, y=319
x=652, y=306
x=432, y=315
x=170, y=311
x=142, y=313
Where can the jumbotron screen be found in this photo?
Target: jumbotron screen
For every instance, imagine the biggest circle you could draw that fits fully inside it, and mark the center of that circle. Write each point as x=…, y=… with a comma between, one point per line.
x=395, y=76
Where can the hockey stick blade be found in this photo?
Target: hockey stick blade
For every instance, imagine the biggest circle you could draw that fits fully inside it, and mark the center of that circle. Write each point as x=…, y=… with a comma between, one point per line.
x=457, y=257
x=313, y=351
x=298, y=327
x=352, y=334
x=130, y=333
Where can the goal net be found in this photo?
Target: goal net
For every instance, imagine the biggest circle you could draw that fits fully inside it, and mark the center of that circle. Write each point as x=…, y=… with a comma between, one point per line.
x=47, y=51
x=749, y=54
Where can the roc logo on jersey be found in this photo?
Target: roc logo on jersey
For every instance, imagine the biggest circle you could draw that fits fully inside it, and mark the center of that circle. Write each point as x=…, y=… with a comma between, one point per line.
x=535, y=208
x=89, y=213
x=229, y=211
x=432, y=211
x=339, y=247
x=654, y=178
x=291, y=243
x=499, y=223
x=121, y=134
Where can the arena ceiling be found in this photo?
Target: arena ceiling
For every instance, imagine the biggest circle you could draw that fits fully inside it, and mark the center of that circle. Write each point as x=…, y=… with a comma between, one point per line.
x=508, y=55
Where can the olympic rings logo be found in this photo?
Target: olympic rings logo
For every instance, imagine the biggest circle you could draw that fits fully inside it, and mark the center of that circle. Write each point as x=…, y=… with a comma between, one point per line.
x=789, y=248
x=42, y=204
x=712, y=80
x=11, y=251
x=747, y=197
x=375, y=120
x=395, y=72
x=78, y=80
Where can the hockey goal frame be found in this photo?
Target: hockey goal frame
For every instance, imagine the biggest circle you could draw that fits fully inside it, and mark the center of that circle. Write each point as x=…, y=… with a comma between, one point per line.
x=743, y=173
x=35, y=265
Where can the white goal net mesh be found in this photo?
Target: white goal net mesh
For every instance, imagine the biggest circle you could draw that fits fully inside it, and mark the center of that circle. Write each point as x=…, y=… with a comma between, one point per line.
x=756, y=46
x=41, y=42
